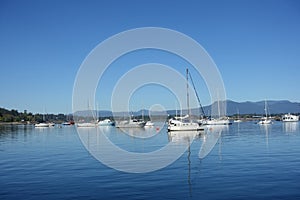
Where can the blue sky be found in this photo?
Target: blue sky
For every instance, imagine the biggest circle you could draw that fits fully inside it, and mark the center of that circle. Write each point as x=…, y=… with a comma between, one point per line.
x=255, y=44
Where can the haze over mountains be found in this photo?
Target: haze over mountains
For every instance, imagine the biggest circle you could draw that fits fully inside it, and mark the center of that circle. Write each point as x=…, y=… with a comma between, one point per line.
x=274, y=107
x=248, y=107
x=255, y=108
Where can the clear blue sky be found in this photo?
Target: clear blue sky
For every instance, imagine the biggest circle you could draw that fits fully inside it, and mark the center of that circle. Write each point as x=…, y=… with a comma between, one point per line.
x=255, y=44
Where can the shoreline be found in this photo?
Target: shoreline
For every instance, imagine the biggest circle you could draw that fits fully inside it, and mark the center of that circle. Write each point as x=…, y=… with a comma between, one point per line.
x=14, y=123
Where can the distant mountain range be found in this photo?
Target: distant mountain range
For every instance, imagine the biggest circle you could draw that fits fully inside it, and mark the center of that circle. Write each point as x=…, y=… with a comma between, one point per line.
x=254, y=108
x=274, y=107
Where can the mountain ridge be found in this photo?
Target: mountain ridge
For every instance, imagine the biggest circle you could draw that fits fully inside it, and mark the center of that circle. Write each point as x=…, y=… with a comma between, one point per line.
x=233, y=107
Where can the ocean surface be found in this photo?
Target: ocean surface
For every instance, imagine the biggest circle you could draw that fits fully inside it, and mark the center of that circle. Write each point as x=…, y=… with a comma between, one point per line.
x=248, y=161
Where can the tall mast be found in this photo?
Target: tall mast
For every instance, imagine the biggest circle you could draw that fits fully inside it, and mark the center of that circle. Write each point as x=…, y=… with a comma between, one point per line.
x=219, y=108
x=97, y=112
x=187, y=91
x=266, y=109
x=176, y=109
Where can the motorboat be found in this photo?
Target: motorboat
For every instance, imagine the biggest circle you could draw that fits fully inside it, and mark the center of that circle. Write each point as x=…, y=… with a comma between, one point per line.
x=290, y=118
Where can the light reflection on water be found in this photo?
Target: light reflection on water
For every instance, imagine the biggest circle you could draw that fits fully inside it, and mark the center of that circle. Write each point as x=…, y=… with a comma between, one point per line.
x=291, y=127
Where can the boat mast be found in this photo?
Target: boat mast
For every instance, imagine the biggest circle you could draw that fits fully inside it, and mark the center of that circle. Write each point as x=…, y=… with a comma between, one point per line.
x=219, y=108
x=97, y=114
x=187, y=91
x=266, y=109
x=219, y=112
x=176, y=109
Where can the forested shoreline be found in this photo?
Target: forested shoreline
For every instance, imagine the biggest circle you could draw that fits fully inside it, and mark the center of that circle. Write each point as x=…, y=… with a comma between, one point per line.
x=28, y=117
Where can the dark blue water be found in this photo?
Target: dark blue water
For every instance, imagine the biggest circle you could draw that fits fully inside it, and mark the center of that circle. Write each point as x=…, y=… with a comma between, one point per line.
x=248, y=161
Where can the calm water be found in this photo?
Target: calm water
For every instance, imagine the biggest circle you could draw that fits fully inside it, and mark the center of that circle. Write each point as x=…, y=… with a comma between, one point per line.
x=248, y=161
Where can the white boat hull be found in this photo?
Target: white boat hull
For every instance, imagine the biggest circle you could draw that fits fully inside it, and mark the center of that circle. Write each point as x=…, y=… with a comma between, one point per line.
x=290, y=118
x=265, y=121
x=86, y=124
x=217, y=122
x=237, y=121
x=177, y=125
x=185, y=128
x=106, y=122
x=44, y=125
x=130, y=124
x=149, y=123
x=41, y=125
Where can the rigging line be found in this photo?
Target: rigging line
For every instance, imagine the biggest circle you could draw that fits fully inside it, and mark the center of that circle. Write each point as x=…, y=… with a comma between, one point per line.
x=197, y=95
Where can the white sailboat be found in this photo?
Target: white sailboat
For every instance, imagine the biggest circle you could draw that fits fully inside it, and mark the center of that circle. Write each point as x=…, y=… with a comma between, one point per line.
x=131, y=123
x=149, y=124
x=218, y=121
x=266, y=119
x=106, y=122
x=237, y=120
x=92, y=123
x=221, y=120
x=44, y=124
x=86, y=124
x=184, y=123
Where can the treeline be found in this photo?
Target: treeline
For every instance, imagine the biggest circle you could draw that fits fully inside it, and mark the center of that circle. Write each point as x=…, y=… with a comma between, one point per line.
x=15, y=116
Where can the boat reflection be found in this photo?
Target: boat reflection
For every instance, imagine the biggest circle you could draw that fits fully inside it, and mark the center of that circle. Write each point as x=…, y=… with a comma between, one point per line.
x=138, y=132
x=185, y=138
x=210, y=138
x=290, y=127
x=266, y=128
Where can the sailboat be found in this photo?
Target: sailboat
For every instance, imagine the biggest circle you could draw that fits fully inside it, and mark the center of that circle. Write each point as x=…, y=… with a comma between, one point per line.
x=44, y=123
x=184, y=123
x=92, y=123
x=266, y=119
x=218, y=121
x=41, y=125
x=237, y=120
x=149, y=124
x=131, y=123
x=106, y=122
